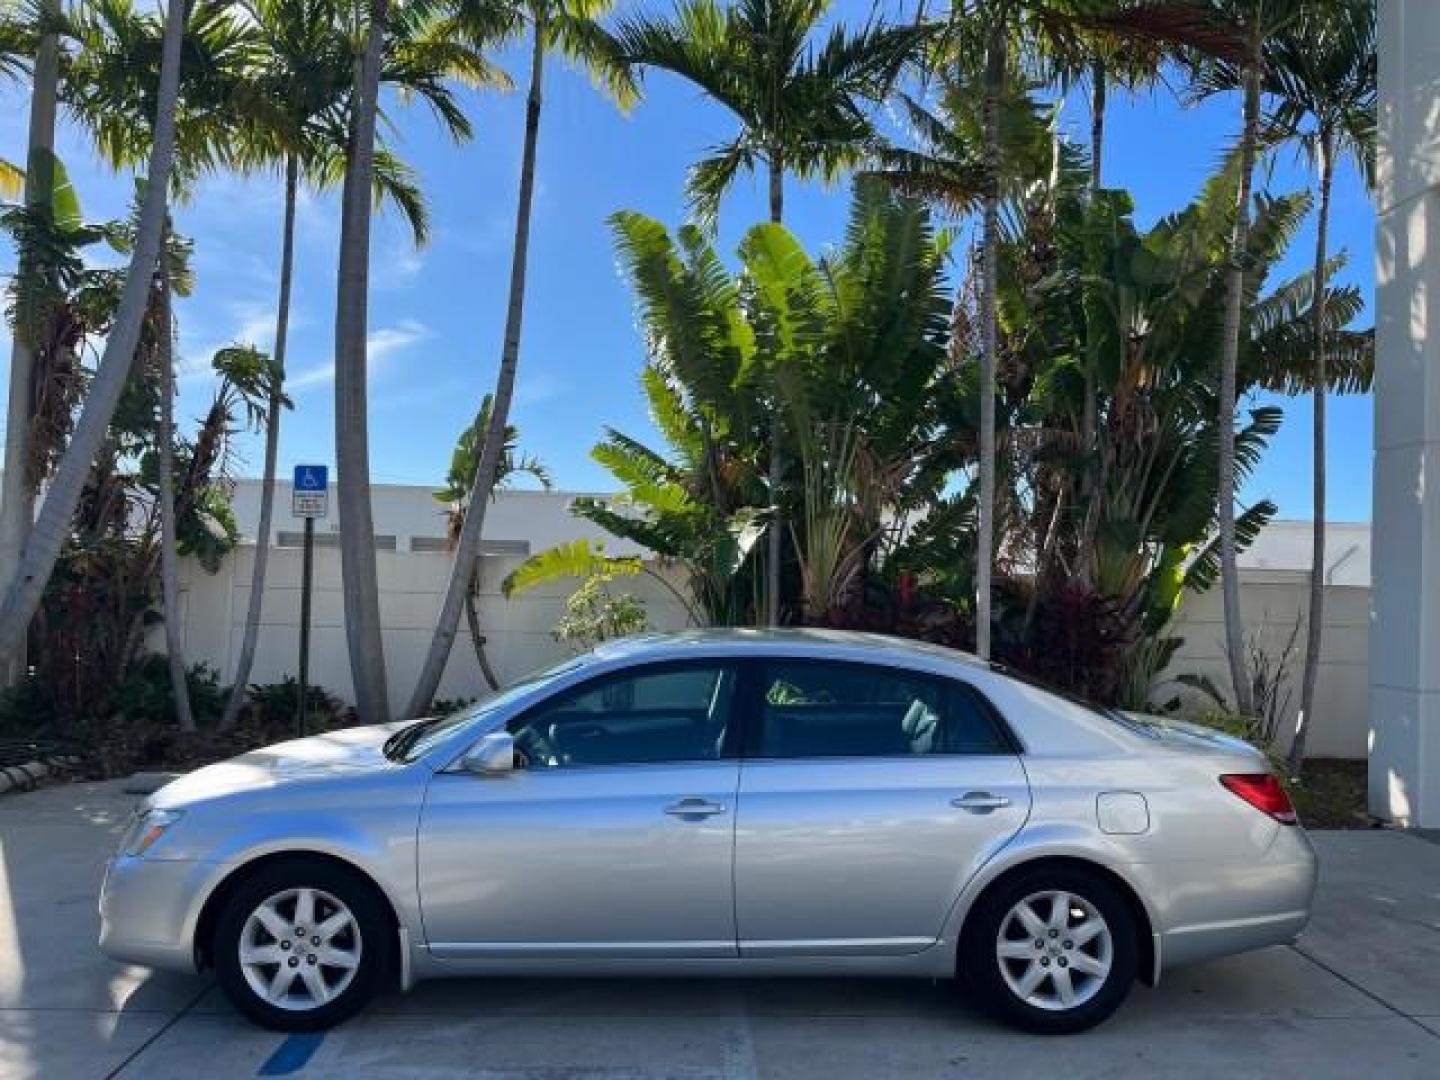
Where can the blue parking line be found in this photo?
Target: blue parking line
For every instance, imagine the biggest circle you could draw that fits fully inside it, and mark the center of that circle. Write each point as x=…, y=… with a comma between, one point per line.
x=293, y=1054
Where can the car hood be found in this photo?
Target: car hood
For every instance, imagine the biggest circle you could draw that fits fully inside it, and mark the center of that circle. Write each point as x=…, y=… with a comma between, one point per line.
x=335, y=753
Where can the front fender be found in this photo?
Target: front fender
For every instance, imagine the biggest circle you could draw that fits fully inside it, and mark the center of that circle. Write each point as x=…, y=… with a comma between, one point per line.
x=372, y=830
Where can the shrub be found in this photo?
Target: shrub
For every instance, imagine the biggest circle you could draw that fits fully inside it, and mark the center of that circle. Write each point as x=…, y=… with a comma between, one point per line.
x=270, y=710
x=145, y=695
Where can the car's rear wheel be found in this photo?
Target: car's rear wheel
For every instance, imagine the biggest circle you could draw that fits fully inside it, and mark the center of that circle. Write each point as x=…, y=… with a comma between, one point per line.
x=301, y=946
x=1051, y=950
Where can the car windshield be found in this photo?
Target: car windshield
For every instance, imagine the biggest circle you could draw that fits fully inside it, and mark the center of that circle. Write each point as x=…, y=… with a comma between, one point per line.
x=410, y=743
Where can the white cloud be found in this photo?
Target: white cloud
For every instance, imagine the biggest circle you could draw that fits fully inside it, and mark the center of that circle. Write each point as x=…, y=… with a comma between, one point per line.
x=312, y=376
x=381, y=345
x=251, y=322
x=398, y=269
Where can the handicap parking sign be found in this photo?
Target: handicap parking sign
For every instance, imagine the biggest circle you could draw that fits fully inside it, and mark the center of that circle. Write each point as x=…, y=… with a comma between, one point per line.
x=310, y=492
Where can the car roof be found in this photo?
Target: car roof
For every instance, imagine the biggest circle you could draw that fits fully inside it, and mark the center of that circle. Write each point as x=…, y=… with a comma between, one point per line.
x=810, y=640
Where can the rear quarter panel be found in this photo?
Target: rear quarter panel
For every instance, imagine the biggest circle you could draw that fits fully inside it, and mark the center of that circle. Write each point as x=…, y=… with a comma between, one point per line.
x=1206, y=859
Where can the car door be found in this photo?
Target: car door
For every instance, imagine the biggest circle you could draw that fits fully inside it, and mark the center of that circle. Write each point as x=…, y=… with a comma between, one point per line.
x=613, y=837
x=869, y=796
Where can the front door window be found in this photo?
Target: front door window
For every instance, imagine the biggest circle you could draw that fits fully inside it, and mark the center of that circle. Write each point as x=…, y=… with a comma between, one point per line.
x=664, y=713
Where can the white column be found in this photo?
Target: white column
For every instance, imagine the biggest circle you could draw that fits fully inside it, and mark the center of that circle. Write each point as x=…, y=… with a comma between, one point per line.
x=1405, y=634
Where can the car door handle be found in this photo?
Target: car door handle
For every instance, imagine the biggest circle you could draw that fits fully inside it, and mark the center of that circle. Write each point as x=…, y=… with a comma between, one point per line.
x=695, y=808
x=979, y=802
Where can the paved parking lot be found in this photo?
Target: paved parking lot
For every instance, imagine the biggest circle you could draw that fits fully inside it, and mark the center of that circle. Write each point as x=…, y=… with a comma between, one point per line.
x=1359, y=995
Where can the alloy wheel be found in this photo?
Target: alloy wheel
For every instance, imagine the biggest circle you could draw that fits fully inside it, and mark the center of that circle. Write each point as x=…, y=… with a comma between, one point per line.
x=300, y=949
x=1055, y=950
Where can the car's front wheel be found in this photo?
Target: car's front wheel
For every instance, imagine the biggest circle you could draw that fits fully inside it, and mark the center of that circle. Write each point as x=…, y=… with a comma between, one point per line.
x=300, y=946
x=1051, y=950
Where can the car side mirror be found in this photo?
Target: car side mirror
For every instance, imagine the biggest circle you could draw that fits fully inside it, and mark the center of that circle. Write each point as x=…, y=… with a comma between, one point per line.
x=493, y=755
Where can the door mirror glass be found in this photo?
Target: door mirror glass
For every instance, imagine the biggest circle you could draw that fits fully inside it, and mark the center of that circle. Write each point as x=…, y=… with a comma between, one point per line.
x=493, y=755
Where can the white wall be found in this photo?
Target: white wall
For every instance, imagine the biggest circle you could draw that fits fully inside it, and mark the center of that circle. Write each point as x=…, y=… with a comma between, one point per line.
x=519, y=639
x=1271, y=601
x=411, y=585
x=412, y=581
x=1275, y=591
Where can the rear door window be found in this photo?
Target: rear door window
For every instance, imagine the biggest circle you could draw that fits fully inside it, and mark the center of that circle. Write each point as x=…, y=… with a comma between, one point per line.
x=818, y=709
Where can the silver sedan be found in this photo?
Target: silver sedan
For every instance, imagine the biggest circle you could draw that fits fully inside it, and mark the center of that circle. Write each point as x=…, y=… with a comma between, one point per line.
x=722, y=803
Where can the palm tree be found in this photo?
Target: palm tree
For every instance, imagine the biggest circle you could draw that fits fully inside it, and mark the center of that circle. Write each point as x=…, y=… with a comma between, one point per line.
x=169, y=558
x=17, y=498
x=442, y=42
x=997, y=45
x=42, y=546
x=801, y=110
x=1321, y=74
x=106, y=91
x=293, y=103
x=1256, y=21
x=458, y=496
x=995, y=28
x=352, y=440
x=569, y=27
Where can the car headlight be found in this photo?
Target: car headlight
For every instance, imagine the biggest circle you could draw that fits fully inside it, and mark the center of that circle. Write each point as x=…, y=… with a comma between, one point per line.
x=147, y=828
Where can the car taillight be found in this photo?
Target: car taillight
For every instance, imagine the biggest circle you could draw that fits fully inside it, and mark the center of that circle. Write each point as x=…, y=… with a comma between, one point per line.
x=1264, y=792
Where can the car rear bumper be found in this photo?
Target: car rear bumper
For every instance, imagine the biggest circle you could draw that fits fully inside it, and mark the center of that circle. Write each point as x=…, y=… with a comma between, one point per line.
x=147, y=911
x=1245, y=906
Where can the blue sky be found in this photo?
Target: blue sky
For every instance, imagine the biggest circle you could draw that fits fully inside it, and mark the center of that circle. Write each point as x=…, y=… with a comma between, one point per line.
x=436, y=314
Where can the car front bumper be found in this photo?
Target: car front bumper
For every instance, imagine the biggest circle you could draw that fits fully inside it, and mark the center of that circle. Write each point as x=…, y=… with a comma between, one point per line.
x=148, y=910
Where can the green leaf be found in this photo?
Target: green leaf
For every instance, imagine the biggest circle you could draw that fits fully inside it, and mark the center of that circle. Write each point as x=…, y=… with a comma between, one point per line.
x=576, y=559
x=56, y=191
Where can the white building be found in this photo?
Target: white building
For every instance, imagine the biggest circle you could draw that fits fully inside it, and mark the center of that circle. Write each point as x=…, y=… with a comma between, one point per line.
x=409, y=519
x=1404, y=747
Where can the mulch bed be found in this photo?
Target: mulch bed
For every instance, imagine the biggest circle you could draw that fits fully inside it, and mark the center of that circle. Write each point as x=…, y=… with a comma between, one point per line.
x=1331, y=793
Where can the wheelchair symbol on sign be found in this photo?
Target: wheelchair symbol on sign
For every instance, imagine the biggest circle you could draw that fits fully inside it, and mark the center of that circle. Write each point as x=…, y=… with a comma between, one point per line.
x=311, y=478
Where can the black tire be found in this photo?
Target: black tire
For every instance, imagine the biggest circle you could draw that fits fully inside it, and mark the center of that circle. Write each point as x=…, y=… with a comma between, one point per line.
x=984, y=973
x=374, y=928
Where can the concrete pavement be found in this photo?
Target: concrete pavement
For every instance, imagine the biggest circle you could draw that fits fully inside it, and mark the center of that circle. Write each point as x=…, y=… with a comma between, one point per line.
x=1361, y=992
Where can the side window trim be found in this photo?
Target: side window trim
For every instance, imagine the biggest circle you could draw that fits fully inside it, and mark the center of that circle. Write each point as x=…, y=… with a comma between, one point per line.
x=730, y=745
x=750, y=708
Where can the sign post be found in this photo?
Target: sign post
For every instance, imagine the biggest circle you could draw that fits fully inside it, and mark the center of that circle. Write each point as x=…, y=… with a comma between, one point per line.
x=309, y=499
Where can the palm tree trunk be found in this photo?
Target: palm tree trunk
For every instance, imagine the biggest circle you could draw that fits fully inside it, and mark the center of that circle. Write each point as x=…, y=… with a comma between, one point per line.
x=352, y=435
x=251, y=634
x=1315, y=619
x=477, y=636
x=17, y=489
x=1098, y=77
x=169, y=556
x=777, y=189
x=1229, y=360
x=1092, y=482
x=775, y=538
x=42, y=546
x=467, y=548
x=989, y=329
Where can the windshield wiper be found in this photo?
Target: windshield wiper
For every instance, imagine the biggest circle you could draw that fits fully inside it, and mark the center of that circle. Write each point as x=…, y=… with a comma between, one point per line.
x=399, y=744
